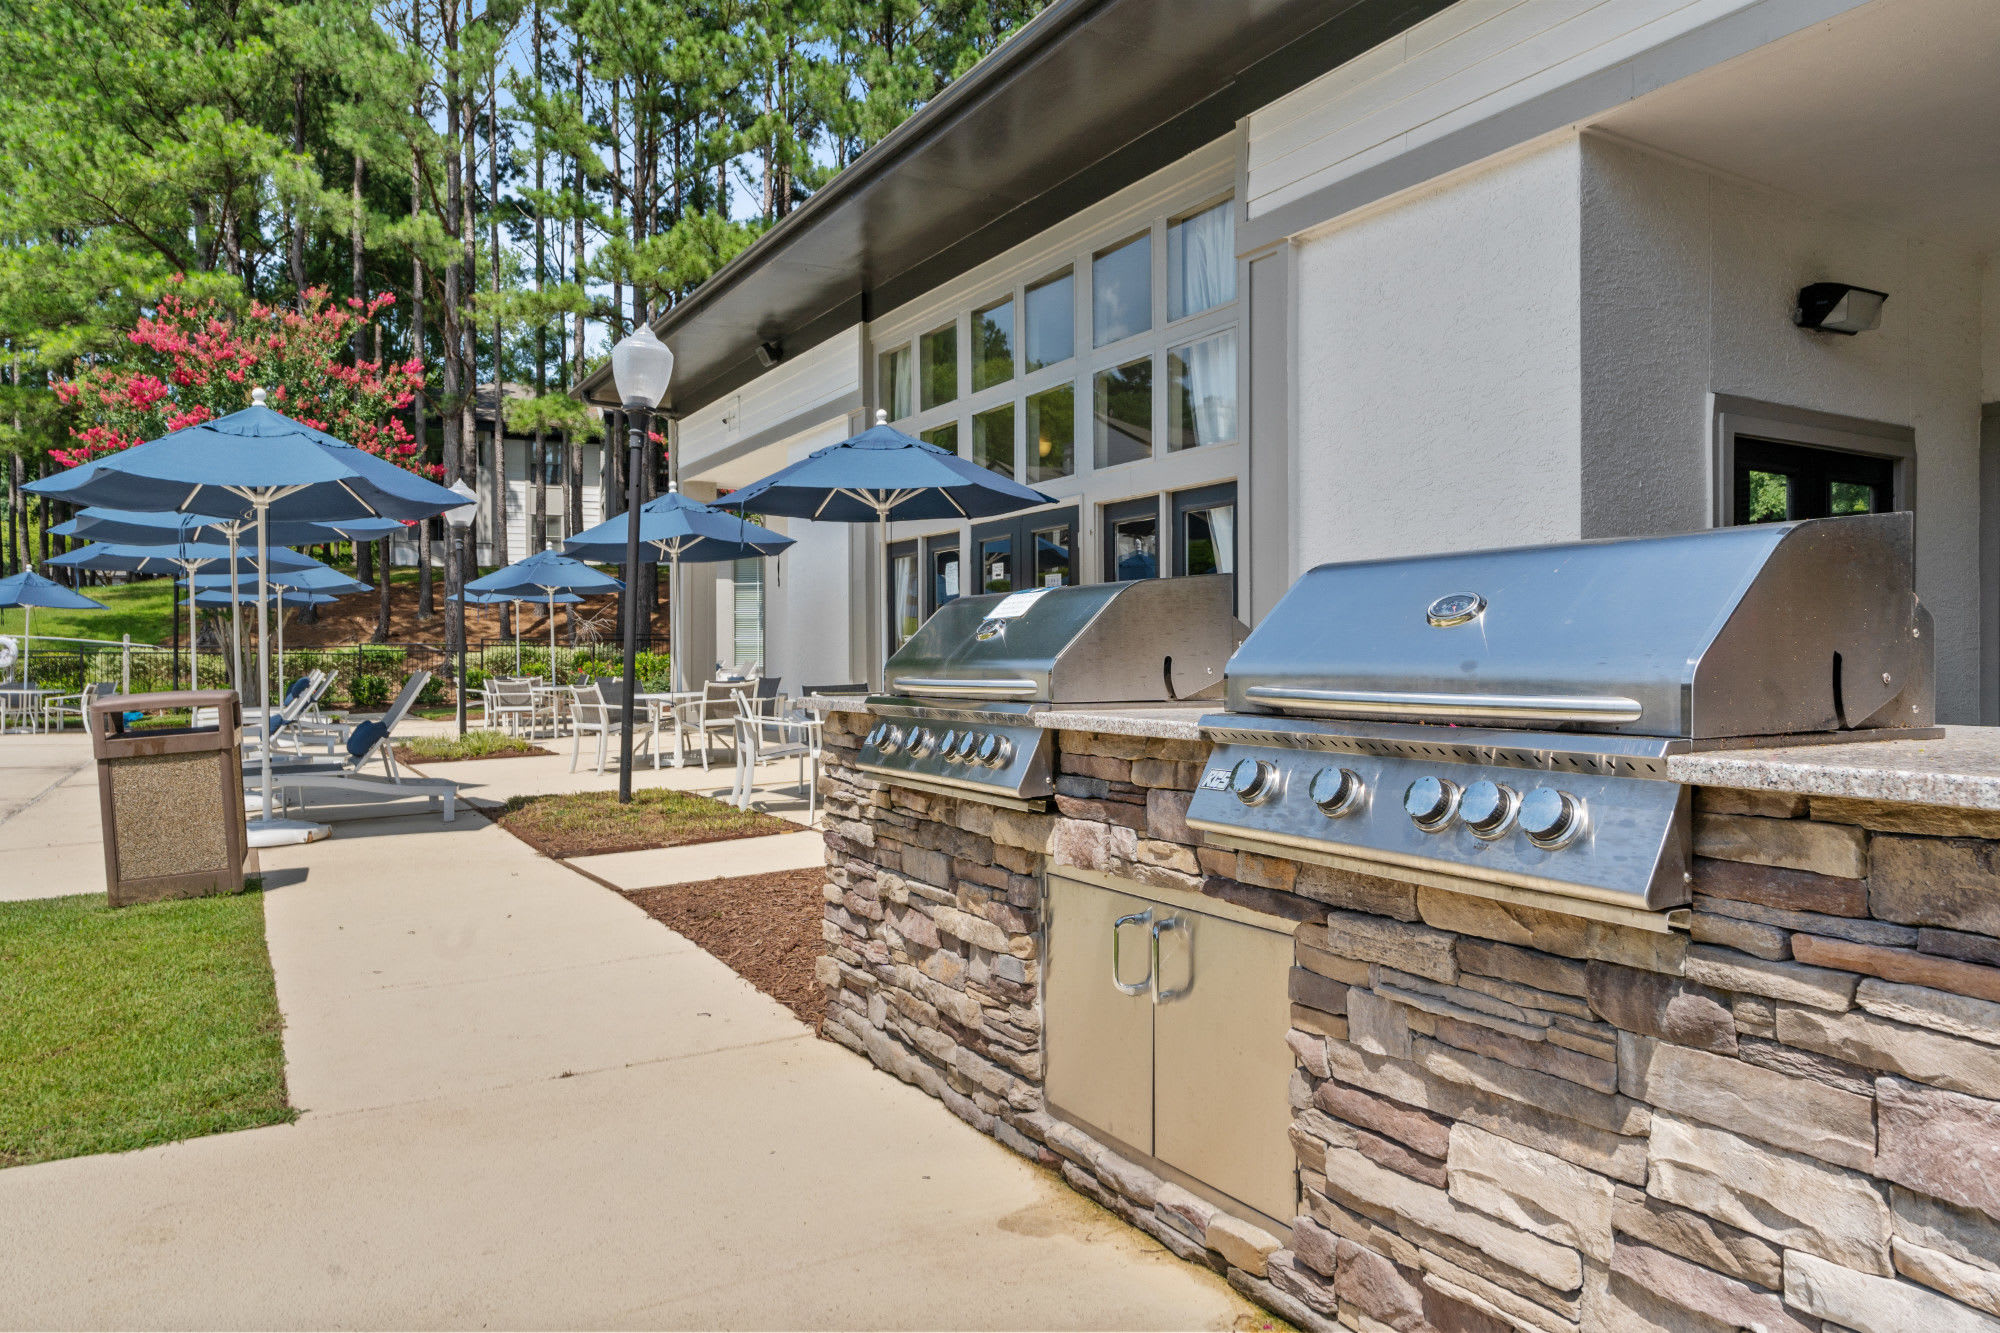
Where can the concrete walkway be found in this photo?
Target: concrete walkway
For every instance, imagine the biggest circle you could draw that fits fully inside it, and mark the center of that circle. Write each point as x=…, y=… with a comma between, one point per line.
x=526, y=1104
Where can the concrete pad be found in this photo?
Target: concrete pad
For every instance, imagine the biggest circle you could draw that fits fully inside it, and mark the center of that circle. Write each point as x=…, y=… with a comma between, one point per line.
x=708, y=860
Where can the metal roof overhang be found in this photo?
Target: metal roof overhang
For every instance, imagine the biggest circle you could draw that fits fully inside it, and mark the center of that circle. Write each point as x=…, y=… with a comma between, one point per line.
x=1087, y=98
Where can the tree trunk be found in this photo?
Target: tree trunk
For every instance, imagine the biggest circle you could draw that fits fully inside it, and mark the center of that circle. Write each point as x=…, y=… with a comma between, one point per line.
x=294, y=213
x=355, y=242
x=500, y=543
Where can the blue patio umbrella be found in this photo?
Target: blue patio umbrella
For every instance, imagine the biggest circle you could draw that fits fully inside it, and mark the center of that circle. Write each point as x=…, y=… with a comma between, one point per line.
x=675, y=528
x=879, y=476
x=554, y=600
x=258, y=465
x=539, y=577
x=29, y=590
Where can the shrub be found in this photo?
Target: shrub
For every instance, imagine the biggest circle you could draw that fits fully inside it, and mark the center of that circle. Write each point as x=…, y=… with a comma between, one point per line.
x=368, y=691
x=432, y=693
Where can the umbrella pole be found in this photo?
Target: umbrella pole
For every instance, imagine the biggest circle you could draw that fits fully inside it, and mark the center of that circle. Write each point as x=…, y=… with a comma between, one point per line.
x=517, y=637
x=882, y=583
x=266, y=831
x=674, y=619
x=281, y=642
x=552, y=634
x=28, y=648
x=236, y=613
x=194, y=635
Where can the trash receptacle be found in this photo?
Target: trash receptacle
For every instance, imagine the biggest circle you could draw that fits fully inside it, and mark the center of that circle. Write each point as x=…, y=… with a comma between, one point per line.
x=171, y=796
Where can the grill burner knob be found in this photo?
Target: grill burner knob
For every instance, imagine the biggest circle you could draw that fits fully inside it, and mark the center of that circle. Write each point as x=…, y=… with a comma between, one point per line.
x=1488, y=808
x=995, y=751
x=1431, y=802
x=891, y=739
x=948, y=747
x=1253, y=780
x=921, y=741
x=875, y=736
x=967, y=744
x=1551, y=818
x=1335, y=791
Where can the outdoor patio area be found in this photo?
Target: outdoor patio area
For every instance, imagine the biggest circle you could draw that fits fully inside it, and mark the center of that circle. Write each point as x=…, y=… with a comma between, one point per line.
x=523, y=1102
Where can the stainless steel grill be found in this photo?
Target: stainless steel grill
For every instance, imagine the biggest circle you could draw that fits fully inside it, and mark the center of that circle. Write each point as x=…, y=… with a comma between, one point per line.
x=964, y=691
x=1499, y=721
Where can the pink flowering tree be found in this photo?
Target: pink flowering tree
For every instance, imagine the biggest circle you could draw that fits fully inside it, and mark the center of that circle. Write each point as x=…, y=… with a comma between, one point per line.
x=194, y=360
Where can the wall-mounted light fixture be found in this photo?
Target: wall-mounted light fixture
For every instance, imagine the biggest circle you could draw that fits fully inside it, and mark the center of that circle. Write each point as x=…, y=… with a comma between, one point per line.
x=770, y=354
x=1837, y=307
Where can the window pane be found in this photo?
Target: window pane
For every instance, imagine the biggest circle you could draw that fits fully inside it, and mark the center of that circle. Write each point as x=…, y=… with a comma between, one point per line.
x=1053, y=568
x=1135, y=548
x=944, y=576
x=1051, y=332
x=1121, y=290
x=940, y=365
x=996, y=564
x=1770, y=497
x=1201, y=392
x=1052, y=433
x=1124, y=413
x=993, y=439
x=1201, y=261
x=944, y=437
x=1853, y=497
x=893, y=382
x=992, y=345
x=1210, y=537
x=904, y=594
x=747, y=641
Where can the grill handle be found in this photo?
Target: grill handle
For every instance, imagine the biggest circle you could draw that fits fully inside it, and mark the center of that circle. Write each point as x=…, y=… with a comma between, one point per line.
x=1142, y=986
x=1408, y=703
x=974, y=687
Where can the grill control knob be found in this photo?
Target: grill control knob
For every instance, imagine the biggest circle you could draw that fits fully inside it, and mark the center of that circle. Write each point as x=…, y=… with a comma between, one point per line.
x=948, y=747
x=1488, y=808
x=1336, y=791
x=891, y=739
x=921, y=741
x=995, y=751
x=1253, y=780
x=1431, y=802
x=875, y=736
x=968, y=744
x=1551, y=818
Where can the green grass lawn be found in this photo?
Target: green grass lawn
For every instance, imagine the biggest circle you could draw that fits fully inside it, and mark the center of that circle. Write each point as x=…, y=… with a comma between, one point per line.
x=593, y=822
x=122, y=1029
x=476, y=743
x=143, y=610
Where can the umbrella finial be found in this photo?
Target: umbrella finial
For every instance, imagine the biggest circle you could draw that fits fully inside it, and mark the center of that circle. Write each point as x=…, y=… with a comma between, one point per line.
x=881, y=416
x=256, y=397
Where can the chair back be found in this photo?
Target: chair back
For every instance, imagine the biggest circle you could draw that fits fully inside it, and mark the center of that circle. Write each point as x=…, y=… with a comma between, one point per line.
x=101, y=689
x=588, y=706
x=513, y=694
x=718, y=699
x=612, y=690
x=406, y=697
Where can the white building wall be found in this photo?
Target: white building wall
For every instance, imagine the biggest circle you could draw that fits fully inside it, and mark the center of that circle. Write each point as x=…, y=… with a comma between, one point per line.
x=1438, y=367
x=814, y=380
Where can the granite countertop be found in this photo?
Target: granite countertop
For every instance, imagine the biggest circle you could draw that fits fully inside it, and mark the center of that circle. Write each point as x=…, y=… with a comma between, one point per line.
x=1961, y=768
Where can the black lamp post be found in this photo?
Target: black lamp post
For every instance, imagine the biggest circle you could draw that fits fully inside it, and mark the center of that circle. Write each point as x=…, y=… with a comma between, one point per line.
x=460, y=522
x=641, y=365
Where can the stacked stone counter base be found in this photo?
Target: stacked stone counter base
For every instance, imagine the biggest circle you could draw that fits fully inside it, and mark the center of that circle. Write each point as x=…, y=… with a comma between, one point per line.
x=1784, y=1118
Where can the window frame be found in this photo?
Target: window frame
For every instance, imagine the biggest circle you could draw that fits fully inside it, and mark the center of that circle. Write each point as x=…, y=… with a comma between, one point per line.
x=1182, y=503
x=1021, y=529
x=1110, y=515
x=1738, y=417
x=935, y=545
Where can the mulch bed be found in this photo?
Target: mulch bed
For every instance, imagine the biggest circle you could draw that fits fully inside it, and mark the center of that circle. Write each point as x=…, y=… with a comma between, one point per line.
x=765, y=928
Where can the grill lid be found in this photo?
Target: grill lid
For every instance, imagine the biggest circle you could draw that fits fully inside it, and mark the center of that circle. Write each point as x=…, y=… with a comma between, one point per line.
x=1138, y=642
x=1772, y=629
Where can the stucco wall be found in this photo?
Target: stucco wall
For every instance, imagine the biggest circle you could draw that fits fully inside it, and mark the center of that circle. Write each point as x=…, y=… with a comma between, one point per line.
x=1688, y=283
x=1438, y=366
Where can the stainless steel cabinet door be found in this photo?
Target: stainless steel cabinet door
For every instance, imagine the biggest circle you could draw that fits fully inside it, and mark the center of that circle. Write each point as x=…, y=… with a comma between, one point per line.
x=1100, y=1037
x=1221, y=1109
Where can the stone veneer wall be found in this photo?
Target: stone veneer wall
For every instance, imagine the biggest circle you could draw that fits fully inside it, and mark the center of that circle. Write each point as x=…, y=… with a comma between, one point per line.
x=1505, y=1118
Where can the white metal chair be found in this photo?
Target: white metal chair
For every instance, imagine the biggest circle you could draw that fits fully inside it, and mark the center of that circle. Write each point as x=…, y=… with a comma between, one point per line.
x=592, y=713
x=509, y=703
x=767, y=732
x=715, y=713
x=57, y=709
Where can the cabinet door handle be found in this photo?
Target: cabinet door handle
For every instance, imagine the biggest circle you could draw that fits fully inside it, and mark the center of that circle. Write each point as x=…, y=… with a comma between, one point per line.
x=1162, y=995
x=1145, y=983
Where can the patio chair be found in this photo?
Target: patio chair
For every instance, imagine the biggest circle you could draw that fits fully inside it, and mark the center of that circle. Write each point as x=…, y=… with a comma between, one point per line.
x=365, y=741
x=509, y=701
x=59, y=708
x=598, y=709
x=715, y=713
x=767, y=732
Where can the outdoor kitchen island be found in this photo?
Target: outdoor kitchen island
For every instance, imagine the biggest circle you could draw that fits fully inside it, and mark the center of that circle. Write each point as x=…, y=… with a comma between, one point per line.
x=1777, y=1106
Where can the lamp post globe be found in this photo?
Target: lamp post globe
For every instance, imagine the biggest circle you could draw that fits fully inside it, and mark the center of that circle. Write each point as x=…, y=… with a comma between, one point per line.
x=641, y=365
x=460, y=522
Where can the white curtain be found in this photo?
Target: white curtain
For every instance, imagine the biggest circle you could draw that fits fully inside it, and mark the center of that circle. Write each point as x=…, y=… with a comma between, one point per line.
x=1201, y=262
x=1222, y=530
x=1211, y=388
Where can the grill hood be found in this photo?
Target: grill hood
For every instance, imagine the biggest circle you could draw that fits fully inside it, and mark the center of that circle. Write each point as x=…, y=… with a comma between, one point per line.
x=1137, y=642
x=1766, y=630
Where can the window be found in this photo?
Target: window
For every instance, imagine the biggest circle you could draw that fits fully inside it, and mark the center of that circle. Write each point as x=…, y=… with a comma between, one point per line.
x=1201, y=261
x=993, y=439
x=945, y=572
x=1201, y=392
x=1776, y=482
x=993, y=345
x=747, y=640
x=939, y=354
x=1205, y=530
x=996, y=564
x=944, y=437
x=1122, y=413
x=1132, y=540
x=906, y=612
x=552, y=533
x=892, y=382
x=1121, y=290
x=1051, y=423
x=1051, y=317
x=1054, y=549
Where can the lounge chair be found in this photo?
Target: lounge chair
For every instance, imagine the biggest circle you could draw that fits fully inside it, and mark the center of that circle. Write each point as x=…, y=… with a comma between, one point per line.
x=365, y=741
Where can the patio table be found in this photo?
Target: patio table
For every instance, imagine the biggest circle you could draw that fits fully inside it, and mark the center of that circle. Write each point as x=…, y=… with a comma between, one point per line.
x=25, y=700
x=664, y=705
